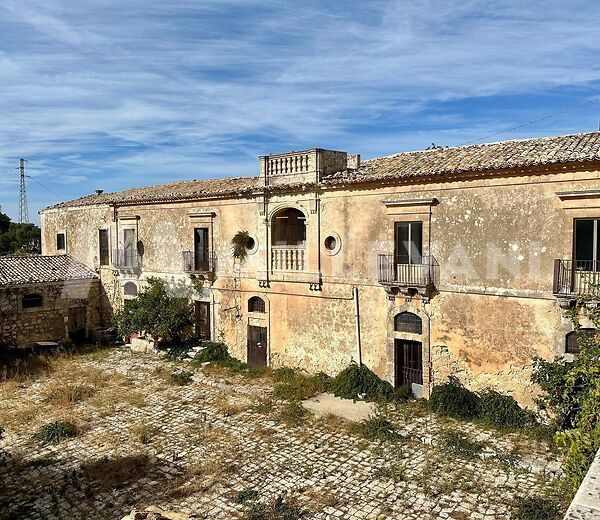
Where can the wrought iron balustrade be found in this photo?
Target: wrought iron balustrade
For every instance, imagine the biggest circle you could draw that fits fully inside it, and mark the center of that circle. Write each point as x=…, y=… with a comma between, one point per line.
x=127, y=259
x=204, y=262
x=573, y=277
x=393, y=271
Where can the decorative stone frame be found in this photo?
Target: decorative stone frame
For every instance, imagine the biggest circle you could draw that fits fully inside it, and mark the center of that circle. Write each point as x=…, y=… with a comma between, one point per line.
x=254, y=249
x=398, y=306
x=338, y=243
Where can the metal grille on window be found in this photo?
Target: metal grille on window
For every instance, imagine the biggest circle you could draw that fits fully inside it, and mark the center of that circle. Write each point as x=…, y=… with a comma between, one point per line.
x=572, y=340
x=408, y=322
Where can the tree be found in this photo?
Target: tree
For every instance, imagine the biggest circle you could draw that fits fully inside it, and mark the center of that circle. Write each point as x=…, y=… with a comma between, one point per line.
x=156, y=311
x=4, y=223
x=21, y=239
x=572, y=393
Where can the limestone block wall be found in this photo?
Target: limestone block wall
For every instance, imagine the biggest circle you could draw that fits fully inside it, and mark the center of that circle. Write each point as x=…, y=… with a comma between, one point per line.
x=23, y=327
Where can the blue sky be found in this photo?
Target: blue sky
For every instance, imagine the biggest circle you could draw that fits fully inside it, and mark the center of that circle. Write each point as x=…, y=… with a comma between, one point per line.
x=111, y=94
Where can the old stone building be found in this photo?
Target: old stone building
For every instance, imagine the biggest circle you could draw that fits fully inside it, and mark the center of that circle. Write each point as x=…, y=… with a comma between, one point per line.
x=425, y=264
x=47, y=299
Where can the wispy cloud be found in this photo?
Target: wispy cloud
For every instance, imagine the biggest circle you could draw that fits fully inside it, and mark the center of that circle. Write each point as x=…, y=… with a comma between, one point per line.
x=108, y=94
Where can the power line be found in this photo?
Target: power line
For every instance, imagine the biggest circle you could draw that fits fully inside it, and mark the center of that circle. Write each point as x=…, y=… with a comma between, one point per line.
x=516, y=127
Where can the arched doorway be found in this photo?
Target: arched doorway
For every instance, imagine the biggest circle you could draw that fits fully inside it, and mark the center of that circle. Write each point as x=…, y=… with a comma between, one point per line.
x=408, y=350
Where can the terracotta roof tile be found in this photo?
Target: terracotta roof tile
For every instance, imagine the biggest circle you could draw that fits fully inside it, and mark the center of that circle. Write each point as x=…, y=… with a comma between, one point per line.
x=583, y=147
x=18, y=270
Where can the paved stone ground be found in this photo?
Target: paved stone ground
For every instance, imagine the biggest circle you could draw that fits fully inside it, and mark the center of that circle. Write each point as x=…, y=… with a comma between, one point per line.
x=193, y=448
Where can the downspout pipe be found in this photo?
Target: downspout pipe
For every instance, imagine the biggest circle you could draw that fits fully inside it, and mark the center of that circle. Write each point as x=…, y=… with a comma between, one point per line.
x=357, y=320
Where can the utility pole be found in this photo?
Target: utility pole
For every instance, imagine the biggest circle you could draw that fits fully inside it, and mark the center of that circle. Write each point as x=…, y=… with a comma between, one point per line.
x=23, y=211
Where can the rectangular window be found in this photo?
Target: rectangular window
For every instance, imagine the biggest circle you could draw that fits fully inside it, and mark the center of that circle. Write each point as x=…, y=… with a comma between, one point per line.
x=104, y=251
x=61, y=243
x=409, y=242
x=586, y=245
x=201, y=249
x=130, y=249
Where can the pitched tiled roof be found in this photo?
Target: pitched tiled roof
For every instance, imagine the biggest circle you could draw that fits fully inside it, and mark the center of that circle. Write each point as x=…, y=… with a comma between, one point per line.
x=524, y=153
x=17, y=270
x=502, y=155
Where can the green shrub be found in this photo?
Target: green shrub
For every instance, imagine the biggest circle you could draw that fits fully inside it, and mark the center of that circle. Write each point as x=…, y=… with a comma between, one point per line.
x=377, y=428
x=54, y=432
x=295, y=386
x=280, y=508
x=181, y=378
x=459, y=444
x=402, y=393
x=502, y=411
x=211, y=351
x=454, y=400
x=536, y=508
x=358, y=382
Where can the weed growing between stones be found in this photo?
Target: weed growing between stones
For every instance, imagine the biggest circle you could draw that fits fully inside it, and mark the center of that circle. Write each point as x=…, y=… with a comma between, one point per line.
x=54, y=432
x=280, y=508
x=245, y=495
x=536, y=508
x=377, y=428
x=293, y=414
x=394, y=472
x=181, y=378
x=296, y=386
x=459, y=444
x=141, y=432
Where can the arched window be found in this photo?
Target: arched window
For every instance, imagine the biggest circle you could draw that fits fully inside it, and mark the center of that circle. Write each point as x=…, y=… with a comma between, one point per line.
x=408, y=322
x=32, y=300
x=256, y=304
x=572, y=343
x=130, y=289
x=289, y=228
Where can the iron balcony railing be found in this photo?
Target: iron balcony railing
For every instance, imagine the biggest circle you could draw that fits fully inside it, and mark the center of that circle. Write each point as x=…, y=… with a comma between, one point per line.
x=572, y=277
x=394, y=271
x=204, y=262
x=127, y=259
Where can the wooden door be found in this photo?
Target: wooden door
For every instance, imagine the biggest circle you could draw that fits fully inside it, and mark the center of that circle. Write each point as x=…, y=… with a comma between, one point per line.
x=202, y=311
x=77, y=324
x=408, y=362
x=257, y=346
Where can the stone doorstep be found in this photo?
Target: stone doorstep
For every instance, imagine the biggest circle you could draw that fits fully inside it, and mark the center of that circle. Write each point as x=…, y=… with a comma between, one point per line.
x=326, y=403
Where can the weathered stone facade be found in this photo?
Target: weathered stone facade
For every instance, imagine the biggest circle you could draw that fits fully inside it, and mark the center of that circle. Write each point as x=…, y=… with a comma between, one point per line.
x=491, y=233
x=58, y=310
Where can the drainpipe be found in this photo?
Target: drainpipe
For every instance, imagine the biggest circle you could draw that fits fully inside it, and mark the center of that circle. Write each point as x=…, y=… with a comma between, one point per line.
x=357, y=320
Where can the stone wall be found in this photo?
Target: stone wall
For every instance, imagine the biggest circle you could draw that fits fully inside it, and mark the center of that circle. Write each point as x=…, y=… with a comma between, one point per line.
x=23, y=327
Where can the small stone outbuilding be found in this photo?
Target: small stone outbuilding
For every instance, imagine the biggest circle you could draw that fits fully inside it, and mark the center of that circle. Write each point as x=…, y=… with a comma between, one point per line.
x=47, y=298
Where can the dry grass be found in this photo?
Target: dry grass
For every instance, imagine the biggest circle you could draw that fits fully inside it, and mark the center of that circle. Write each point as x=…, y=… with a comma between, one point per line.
x=229, y=408
x=113, y=473
x=141, y=432
x=68, y=394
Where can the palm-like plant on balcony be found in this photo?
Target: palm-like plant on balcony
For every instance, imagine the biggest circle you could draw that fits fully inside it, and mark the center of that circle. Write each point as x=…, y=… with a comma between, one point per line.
x=239, y=244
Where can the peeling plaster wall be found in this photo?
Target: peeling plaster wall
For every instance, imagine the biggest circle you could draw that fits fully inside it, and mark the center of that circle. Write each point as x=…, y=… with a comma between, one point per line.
x=495, y=239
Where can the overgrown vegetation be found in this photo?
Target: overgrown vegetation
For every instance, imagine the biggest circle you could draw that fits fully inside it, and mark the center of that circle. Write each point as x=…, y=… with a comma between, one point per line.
x=377, y=428
x=296, y=386
x=181, y=378
x=572, y=394
x=358, y=382
x=293, y=414
x=280, y=508
x=502, y=411
x=460, y=444
x=211, y=351
x=454, y=400
x=156, y=311
x=54, y=432
x=536, y=508
x=240, y=244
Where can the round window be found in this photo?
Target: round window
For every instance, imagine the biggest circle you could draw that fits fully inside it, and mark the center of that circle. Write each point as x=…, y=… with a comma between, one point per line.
x=250, y=243
x=330, y=243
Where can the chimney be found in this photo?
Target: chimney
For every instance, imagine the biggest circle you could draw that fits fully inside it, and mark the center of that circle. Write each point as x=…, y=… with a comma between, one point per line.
x=354, y=162
x=99, y=192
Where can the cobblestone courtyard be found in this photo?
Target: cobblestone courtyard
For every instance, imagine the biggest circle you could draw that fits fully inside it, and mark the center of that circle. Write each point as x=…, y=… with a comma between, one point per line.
x=217, y=445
